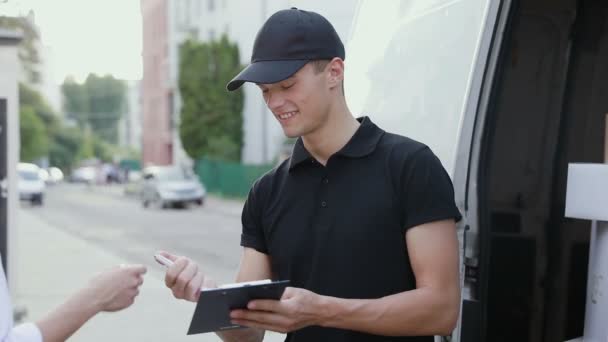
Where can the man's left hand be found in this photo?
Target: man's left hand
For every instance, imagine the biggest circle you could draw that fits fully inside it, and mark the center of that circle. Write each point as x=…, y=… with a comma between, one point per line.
x=298, y=308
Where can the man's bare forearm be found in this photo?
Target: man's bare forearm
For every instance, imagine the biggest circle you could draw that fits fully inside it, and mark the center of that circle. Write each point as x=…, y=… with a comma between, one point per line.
x=419, y=312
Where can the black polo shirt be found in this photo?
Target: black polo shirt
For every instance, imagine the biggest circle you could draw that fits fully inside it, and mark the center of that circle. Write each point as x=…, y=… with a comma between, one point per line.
x=338, y=230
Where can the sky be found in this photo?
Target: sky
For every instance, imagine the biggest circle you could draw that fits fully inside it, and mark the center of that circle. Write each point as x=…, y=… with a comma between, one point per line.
x=87, y=36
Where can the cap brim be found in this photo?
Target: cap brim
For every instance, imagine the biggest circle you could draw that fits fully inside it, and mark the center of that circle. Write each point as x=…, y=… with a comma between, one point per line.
x=266, y=72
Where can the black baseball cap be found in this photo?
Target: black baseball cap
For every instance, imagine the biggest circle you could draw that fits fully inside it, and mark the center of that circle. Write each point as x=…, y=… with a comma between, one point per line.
x=286, y=42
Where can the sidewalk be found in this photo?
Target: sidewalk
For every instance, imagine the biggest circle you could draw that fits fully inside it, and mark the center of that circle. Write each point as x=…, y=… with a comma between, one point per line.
x=53, y=263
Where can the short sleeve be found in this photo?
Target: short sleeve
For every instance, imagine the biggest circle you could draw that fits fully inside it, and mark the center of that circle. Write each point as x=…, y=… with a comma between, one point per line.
x=427, y=192
x=253, y=233
x=27, y=332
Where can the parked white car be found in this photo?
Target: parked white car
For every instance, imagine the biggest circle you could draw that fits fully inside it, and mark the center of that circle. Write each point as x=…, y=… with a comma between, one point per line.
x=165, y=186
x=84, y=174
x=55, y=175
x=30, y=185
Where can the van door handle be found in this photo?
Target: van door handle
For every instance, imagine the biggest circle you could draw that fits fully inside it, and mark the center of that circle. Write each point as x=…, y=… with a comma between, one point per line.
x=471, y=264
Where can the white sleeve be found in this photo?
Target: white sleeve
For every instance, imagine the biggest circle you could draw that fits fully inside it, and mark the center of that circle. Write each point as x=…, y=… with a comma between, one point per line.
x=24, y=333
x=27, y=332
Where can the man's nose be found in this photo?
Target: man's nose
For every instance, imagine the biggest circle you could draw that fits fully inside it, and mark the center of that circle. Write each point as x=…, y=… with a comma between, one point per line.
x=275, y=101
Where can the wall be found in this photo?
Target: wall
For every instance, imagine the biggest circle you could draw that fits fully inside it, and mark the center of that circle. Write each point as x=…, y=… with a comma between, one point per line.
x=8, y=89
x=157, y=137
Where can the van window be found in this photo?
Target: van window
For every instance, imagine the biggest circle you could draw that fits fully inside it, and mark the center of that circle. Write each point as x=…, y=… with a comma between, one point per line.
x=409, y=66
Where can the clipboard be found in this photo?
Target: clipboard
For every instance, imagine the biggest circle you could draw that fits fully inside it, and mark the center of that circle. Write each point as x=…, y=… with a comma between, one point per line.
x=213, y=308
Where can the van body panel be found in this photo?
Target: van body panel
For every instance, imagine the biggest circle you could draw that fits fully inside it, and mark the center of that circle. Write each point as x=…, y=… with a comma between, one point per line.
x=506, y=93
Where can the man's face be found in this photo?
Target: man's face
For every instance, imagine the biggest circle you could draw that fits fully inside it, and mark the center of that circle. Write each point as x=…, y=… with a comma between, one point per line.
x=300, y=103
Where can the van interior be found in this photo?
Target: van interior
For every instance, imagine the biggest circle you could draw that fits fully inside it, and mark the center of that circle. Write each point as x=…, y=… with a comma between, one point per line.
x=548, y=108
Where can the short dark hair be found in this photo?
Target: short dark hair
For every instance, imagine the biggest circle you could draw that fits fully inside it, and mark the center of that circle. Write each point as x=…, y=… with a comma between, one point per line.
x=318, y=65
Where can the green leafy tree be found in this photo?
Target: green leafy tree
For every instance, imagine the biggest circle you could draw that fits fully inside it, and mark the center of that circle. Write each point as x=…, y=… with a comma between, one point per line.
x=75, y=101
x=33, y=99
x=37, y=124
x=64, y=148
x=102, y=150
x=44, y=134
x=28, y=50
x=99, y=103
x=211, y=118
x=107, y=102
x=34, y=138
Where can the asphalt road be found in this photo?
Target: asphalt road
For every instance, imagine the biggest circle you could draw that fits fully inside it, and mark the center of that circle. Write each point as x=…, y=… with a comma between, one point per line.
x=106, y=217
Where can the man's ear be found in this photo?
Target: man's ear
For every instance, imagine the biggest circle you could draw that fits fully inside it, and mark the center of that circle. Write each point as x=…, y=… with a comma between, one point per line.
x=335, y=72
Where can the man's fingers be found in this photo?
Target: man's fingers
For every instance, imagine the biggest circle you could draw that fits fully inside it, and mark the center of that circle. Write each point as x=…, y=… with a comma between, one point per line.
x=194, y=286
x=289, y=292
x=266, y=305
x=260, y=317
x=185, y=277
x=209, y=283
x=168, y=255
x=174, y=271
x=257, y=325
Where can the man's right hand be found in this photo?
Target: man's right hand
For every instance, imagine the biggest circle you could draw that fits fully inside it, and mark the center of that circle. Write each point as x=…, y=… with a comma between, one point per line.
x=184, y=278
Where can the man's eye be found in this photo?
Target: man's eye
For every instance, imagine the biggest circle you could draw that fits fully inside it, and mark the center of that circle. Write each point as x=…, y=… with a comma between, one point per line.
x=287, y=86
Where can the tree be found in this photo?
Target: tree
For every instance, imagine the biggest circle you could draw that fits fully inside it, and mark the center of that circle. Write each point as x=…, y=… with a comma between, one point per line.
x=76, y=101
x=33, y=99
x=102, y=150
x=99, y=103
x=64, y=147
x=34, y=138
x=107, y=103
x=211, y=118
x=28, y=49
x=37, y=123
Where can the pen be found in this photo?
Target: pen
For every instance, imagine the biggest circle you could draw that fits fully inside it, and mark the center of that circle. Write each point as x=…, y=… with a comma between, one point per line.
x=163, y=261
x=168, y=263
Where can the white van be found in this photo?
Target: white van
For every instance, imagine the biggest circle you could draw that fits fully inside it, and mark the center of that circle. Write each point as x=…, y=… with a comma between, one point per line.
x=506, y=93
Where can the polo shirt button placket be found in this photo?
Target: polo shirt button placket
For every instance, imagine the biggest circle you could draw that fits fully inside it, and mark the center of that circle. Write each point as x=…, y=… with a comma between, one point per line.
x=324, y=181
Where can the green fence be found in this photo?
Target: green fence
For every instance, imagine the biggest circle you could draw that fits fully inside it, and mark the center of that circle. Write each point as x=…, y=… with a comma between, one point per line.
x=130, y=164
x=228, y=179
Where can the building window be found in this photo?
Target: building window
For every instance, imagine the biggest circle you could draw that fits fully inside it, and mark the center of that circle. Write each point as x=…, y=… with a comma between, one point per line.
x=193, y=33
x=171, y=114
x=197, y=9
x=211, y=5
x=211, y=35
x=187, y=13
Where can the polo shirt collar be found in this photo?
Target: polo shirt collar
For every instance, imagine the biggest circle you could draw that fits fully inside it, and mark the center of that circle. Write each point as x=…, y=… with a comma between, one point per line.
x=362, y=143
